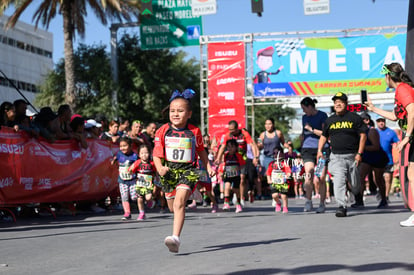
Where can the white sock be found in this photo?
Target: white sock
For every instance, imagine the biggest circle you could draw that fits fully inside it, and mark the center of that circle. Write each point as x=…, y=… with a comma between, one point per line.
x=176, y=238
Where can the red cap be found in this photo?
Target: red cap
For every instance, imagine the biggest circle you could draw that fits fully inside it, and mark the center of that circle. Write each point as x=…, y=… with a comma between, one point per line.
x=266, y=51
x=75, y=115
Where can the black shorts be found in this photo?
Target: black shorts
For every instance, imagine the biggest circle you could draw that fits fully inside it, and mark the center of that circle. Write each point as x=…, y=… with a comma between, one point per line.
x=411, y=153
x=234, y=182
x=309, y=155
x=389, y=168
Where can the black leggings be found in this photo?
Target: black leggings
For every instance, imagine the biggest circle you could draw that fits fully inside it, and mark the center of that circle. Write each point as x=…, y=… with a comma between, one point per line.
x=251, y=173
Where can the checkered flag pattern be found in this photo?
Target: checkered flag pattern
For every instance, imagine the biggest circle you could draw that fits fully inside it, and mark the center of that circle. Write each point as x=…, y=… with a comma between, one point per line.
x=287, y=46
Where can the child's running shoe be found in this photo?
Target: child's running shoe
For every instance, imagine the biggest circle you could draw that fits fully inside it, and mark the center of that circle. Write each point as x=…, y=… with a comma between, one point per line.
x=172, y=243
x=278, y=207
x=238, y=208
x=251, y=196
x=285, y=210
x=214, y=208
x=226, y=206
x=193, y=205
x=127, y=216
x=150, y=204
x=141, y=216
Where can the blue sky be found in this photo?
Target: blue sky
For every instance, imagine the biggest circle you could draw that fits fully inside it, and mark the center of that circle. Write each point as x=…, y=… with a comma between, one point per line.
x=235, y=17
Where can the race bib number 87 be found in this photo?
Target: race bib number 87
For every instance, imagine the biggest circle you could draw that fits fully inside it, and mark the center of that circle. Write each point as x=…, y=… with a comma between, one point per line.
x=178, y=149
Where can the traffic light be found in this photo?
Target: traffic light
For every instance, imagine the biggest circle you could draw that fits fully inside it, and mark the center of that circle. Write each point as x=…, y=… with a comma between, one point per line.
x=257, y=7
x=146, y=7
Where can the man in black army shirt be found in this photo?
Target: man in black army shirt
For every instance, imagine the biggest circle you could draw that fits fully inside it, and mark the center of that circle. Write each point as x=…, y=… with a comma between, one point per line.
x=346, y=133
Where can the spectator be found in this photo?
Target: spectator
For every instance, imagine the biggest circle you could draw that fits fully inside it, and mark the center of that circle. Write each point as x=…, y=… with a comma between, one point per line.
x=149, y=132
x=44, y=120
x=8, y=115
x=61, y=126
x=388, y=138
x=112, y=134
x=92, y=129
x=123, y=126
x=20, y=107
x=78, y=125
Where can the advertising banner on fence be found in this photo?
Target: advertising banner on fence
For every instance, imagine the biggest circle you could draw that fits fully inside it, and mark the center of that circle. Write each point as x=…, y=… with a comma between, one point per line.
x=226, y=86
x=38, y=171
x=323, y=66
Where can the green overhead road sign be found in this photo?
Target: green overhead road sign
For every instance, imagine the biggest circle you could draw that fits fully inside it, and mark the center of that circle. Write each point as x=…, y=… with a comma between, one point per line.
x=171, y=25
x=146, y=7
x=146, y=12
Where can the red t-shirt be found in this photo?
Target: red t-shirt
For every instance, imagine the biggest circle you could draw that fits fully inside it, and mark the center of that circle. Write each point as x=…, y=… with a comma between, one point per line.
x=243, y=138
x=404, y=95
x=275, y=166
x=178, y=147
x=143, y=168
x=232, y=165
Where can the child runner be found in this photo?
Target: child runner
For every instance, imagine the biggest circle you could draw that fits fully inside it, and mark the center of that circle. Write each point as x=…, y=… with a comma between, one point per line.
x=204, y=183
x=231, y=171
x=145, y=173
x=177, y=144
x=297, y=175
x=277, y=174
x=126, y=157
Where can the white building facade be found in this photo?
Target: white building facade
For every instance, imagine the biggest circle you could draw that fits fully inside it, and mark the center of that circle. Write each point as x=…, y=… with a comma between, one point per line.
x=25, y=59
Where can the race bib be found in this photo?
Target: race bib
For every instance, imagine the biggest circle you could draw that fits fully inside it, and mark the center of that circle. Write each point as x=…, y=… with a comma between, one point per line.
x=144, y=180
x=123, y=173
x=278, y=177
x=178, y=149
x=203, y=176
x=232, y=171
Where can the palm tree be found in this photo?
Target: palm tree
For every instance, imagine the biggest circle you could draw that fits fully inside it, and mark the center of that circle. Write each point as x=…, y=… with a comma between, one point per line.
x=73, y=13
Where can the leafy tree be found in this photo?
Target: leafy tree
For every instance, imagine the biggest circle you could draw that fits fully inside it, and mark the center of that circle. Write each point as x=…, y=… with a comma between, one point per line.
x=93, y=86
x=147, y=79
x=281, y=116
x=73, y=14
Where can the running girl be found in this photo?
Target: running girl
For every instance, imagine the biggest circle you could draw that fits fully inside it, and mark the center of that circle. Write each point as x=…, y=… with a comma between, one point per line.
x=177, y=144
x=233, y=166
x=126, y=157
x=277, y=174
x=145, y=173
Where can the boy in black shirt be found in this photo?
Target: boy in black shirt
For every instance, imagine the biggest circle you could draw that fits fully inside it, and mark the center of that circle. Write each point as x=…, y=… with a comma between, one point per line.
x=346, y=132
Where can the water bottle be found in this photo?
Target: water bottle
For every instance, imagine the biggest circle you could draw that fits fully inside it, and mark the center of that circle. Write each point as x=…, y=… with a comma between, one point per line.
x=320, y=166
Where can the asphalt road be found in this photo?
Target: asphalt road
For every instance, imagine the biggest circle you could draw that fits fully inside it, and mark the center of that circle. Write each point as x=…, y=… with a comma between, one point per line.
x=256, y=241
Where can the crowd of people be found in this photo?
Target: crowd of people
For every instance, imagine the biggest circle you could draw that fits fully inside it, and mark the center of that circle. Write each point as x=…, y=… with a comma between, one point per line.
x=174, y=166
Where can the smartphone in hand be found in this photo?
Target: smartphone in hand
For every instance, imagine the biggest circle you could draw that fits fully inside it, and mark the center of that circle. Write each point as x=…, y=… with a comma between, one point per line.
x=364, y=96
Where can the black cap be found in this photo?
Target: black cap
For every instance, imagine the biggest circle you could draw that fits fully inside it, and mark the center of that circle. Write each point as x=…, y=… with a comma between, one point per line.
x=340, y=96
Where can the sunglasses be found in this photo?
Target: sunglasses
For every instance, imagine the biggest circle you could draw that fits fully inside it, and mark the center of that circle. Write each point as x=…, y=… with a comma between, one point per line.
x=385, y=71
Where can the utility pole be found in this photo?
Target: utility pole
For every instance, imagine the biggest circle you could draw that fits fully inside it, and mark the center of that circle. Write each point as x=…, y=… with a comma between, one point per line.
x=114, y=59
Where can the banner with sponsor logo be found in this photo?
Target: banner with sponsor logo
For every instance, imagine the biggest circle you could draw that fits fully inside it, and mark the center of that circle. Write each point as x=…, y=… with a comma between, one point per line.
x=38, y=171
x=226, y=86
x=323, y=66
